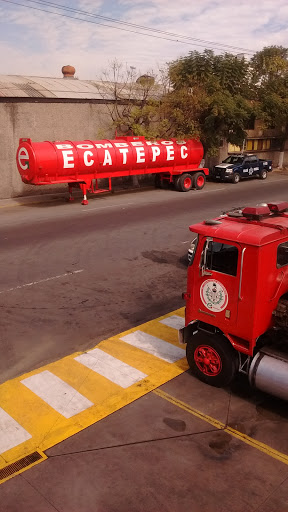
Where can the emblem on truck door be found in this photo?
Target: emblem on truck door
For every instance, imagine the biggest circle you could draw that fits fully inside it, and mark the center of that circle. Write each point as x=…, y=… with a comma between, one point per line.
x=214, y=295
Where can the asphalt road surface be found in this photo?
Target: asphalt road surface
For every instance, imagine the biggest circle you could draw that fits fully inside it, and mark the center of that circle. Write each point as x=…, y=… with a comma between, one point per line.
x=72, y=276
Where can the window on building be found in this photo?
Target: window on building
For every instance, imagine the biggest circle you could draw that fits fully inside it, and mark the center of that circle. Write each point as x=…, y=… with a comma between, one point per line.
x=282, y=255
x=258, y=144
x=222, y=258
x=232, y=148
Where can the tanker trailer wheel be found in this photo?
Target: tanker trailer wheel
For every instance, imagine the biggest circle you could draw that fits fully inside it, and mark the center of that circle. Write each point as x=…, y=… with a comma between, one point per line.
x=212, y=358
x=199, y=180
x=184, y=183
x=157, y=181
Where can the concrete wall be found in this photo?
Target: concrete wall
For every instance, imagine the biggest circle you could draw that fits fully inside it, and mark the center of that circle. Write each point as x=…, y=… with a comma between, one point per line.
x=214, y=160
x=275, y=156
x=65, y=120
x=44, y=121
x=260, y=131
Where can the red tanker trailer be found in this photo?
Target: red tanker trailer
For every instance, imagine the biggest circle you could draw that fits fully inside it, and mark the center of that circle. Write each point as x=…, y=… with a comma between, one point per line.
x=82, y=163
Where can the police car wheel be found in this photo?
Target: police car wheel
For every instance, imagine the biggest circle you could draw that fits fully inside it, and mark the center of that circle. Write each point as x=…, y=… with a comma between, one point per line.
x=212, y=359
x=263, y=174
x=235, y=178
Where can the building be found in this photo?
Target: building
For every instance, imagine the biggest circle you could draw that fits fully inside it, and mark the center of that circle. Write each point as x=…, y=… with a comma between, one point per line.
x=267, y=143
x=44, y=108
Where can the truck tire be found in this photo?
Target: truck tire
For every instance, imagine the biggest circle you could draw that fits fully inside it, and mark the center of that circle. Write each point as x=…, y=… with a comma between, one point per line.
x=158, y=181
x=199, y=180
x=263, y=174
x=212, y=359
x=236, y=178
x=184, y=182
x=176, y=183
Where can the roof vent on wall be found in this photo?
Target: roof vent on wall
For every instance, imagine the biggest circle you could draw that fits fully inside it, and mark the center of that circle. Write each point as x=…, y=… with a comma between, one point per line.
x=68, y=71
x=146, y=80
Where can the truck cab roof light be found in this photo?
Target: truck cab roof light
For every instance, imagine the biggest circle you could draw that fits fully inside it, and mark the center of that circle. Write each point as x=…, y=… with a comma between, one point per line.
x=256, y=213
x=279, y=207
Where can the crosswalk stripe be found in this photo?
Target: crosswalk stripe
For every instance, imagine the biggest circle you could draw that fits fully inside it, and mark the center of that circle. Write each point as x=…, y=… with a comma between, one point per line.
x=57, y=393
x=154, y=346
x=11, y=433
x=52, y=403
x=111, y=368
x=175, y=321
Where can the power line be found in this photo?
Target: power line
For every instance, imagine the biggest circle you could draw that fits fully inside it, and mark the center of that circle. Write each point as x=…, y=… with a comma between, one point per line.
x=133, y=25
x=193, y=42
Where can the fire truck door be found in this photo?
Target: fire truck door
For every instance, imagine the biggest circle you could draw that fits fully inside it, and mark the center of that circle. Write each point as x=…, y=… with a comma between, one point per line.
x=217, y=279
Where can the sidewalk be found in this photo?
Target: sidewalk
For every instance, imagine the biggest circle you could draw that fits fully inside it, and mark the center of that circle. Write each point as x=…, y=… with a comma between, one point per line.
x=77, y=194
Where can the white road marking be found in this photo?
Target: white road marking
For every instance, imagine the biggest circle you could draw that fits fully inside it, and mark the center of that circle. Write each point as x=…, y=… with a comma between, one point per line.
x=154, y=346
x=108, y=366
x=104, y=207
x=11, y=433
x=175, y=321
x=282, y=179
x=213, y=190
x=42, y=281
x=57, y=393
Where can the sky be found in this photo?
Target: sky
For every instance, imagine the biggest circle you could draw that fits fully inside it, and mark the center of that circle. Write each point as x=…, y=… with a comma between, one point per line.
x=36, y=43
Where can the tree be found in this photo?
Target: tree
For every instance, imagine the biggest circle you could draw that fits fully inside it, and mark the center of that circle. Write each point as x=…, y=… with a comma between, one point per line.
x=218, y=89
x=212, y=97
x=270, y=64
x=270, y=71
x=133, y=103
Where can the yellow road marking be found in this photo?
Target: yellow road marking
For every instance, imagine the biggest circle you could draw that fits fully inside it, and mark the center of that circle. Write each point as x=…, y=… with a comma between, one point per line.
x=215, y=423
x=48, y=427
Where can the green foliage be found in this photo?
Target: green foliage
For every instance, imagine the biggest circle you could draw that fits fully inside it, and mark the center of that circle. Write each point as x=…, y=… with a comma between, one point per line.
x=220, y=87
x=270, y=63
x=203, y=95
x=270, y=67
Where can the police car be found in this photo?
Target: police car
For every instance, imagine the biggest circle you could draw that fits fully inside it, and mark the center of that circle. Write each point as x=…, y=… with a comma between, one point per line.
x=238, y=166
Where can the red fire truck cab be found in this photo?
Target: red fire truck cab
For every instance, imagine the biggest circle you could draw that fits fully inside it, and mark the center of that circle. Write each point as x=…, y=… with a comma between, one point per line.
x=237, y=299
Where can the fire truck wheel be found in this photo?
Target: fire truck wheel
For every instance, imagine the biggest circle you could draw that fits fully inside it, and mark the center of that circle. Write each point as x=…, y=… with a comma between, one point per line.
x=184, y=182
x=236, y=178
x=212, y=359
x=199, y=180
x=263, y=174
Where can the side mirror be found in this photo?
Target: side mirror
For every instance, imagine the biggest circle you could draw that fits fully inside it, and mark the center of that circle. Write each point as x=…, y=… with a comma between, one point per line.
x=192, y=250
x=203, y=264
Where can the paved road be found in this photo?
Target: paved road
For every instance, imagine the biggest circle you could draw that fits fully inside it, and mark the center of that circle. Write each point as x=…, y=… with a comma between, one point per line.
x=130, y=249
x=72, y=276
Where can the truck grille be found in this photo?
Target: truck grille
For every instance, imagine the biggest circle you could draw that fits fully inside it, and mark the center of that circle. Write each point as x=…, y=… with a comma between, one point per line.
x=219, y=171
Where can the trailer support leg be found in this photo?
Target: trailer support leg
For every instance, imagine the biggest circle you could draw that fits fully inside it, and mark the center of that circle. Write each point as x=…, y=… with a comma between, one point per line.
x=83, y=187
x=70, y=188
